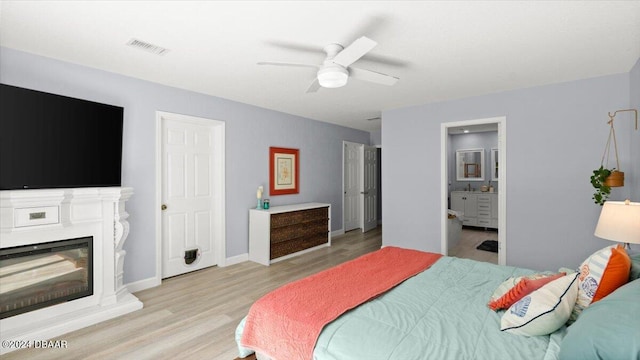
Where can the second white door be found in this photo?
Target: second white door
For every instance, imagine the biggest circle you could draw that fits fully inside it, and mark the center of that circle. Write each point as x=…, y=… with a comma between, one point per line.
x=369, y=188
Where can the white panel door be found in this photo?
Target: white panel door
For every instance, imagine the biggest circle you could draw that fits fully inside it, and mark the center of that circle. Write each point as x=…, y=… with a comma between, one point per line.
x=351, y=186
x=188, y=234
x=369, y=188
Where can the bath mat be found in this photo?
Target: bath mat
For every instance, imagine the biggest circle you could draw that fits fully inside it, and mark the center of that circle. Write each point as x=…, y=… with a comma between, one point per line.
x=489, y=245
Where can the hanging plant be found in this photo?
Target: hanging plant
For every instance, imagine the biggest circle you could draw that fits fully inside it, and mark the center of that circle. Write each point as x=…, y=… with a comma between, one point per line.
x=599, y=182
x=603, y=179
x=615, y=179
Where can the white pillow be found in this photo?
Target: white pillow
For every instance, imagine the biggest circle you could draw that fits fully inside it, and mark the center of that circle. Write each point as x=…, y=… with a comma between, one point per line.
x=544, y=310
x=600, y=274
x=513, y=281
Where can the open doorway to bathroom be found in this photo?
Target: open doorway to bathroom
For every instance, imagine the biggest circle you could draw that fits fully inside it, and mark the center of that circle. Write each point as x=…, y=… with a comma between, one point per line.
x=473, y=187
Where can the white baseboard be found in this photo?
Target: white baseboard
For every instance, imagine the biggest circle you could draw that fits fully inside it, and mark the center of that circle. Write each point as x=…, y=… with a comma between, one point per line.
x=155, y=281
x=236, y=259
x=337, y=232
x=143, y=284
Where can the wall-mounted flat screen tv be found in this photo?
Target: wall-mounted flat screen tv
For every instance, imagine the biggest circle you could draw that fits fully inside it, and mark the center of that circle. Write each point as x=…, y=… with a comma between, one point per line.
x=53, y=141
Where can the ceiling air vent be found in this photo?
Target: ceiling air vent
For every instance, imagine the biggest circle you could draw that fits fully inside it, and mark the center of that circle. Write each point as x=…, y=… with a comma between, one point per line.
x=142, y=45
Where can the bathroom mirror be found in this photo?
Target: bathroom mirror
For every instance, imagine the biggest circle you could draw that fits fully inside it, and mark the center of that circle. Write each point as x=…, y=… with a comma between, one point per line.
x=469, y=165
x=494, y=164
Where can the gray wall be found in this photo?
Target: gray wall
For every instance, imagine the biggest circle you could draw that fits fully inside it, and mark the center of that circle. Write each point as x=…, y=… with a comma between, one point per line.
x=250, y=131
x=555, y=138
x=375, y=138
x=484, y=140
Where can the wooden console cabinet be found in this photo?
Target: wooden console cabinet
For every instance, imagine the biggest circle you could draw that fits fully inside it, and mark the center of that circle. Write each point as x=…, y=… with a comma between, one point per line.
x=284, y=231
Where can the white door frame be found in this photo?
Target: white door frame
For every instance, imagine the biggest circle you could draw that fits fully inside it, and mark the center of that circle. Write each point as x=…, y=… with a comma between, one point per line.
x=502, y=175
x=218, y=179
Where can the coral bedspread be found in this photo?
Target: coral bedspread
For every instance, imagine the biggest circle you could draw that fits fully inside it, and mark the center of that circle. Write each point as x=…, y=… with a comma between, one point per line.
x=285, y=323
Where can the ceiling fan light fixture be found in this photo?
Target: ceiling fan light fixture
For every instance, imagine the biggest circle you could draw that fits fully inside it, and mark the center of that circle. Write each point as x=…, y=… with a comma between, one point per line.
x=333, y=77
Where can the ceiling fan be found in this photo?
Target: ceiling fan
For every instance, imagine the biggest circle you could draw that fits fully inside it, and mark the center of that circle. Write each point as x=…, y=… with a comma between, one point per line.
x=336, y=68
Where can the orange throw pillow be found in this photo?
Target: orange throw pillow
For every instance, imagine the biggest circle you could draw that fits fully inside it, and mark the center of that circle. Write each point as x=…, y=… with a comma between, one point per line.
x=523, y=288
x=615, y=274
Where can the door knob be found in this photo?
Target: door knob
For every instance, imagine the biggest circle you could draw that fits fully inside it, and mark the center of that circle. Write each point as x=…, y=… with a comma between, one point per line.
x=163, y=207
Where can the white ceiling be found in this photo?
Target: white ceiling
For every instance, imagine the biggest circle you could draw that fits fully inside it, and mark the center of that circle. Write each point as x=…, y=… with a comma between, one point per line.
x=440, y=50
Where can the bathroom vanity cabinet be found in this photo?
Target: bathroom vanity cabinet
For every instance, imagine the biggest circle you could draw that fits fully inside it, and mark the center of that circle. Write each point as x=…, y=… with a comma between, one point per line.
x=479, y=208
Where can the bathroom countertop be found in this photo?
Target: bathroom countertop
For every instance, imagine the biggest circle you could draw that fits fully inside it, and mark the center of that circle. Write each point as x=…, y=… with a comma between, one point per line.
x=475, y=191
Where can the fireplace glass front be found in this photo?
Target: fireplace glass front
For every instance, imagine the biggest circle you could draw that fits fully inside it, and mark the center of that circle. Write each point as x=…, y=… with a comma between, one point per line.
x=41, y=275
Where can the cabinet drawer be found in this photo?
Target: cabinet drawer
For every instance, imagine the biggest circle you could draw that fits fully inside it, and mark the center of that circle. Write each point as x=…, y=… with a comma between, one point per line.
x=295, y=245
x=469, y=221
x=485, y=222
x=285, y=233
x=484, y=207
x=300, y=216
x=484, y=198
x=36, y=216
x=486, y=214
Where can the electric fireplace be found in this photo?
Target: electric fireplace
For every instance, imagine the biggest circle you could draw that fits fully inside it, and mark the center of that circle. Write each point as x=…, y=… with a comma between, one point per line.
x=50, y=286
x=39, y=275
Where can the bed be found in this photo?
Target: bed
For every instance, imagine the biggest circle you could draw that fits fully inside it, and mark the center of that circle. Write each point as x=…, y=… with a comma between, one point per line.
x=441, y=313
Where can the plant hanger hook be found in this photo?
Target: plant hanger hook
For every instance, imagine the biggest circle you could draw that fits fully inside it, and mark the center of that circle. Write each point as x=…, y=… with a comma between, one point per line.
x=611, y=116
x=607, y=148
x=612, y=134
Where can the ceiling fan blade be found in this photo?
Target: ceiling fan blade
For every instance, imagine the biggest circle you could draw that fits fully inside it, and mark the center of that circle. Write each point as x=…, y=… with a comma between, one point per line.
x=355, y=51
x=383, y=59
x=278, y=63
x=289, y=45
x=372, y=76
x=315, y=85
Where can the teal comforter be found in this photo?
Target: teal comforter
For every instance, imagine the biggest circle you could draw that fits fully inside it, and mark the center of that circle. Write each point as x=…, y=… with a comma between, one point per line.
x=440, y=313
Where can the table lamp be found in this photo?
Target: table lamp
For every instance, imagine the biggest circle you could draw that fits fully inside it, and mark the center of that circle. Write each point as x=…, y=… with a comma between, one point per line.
x=620, y=221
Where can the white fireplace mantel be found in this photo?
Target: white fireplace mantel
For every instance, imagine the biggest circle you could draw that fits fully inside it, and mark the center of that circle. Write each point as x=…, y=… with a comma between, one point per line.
x=66, y=214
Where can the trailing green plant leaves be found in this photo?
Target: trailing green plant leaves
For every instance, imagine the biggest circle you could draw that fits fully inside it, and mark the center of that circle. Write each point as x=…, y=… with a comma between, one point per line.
x=597, y=180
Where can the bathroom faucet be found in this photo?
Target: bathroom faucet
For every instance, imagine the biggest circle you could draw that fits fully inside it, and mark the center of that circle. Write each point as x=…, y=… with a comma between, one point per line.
x=469, y=187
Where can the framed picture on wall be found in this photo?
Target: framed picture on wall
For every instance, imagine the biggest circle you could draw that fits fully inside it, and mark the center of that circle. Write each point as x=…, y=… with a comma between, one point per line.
x=284, y=171
x=469, y=163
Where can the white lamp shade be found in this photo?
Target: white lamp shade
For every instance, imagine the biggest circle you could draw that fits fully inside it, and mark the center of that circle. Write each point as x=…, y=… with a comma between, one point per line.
x=333, y=77
x=619, y=221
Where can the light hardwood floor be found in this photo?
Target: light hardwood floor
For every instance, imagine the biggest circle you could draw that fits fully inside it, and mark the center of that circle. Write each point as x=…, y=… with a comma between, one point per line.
x=469, y=239
x=194, y=316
